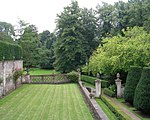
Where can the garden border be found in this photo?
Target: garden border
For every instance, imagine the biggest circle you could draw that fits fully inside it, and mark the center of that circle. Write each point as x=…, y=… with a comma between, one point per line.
x=96, y=110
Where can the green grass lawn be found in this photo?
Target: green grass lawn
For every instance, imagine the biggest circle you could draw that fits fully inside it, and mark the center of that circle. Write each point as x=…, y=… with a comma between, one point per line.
x=107, y=111
x=45, y=102
x=38, y=71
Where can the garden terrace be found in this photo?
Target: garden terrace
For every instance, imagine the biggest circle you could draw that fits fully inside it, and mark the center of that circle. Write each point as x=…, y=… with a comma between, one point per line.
x=55, y=102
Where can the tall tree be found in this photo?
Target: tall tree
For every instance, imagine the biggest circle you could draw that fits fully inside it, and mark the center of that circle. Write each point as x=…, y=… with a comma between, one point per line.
x=89, y=31
x=46, y=51
x=105, y=18
x=69, y=48
x=29, y=42
x=7, y=28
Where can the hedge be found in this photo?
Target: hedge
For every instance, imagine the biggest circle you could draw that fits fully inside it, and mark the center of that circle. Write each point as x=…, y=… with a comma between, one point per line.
x=10, y=51
x=133, y=78
x=115, y=109
x=142, y=92
x=91, y=80
x=73, y=76
x=108, y=92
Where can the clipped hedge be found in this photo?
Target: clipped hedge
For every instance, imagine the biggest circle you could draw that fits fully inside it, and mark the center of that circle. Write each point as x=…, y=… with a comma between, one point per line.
x=73, y=77
x=142, y=92
x=115, y=109
x=133, y=78
x=10, y=51
x=91, y=80
x=108, y=92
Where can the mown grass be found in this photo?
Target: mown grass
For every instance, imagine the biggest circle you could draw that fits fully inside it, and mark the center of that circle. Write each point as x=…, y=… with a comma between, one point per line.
x=107, y=111
x=45, y=102
x=38, y=71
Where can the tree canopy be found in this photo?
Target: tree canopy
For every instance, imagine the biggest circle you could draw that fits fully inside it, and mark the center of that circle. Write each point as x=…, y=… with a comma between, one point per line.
x=120, y=52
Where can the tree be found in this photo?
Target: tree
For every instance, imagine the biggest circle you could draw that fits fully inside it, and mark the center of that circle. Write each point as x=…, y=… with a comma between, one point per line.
x=29, y=41
x=89, y=31
x=46, y=51
x=7, y=28
x=44, y=37
x=105, y=19
x=6, y=38
x=45, y=58
x=69, y=48
x=118, y=52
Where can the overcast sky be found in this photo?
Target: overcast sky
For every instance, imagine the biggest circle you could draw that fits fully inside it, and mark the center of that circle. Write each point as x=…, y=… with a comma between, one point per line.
x=41, y=13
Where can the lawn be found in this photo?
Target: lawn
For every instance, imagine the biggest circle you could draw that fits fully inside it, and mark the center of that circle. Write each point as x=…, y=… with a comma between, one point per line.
x=38, y=71
x=45, y=102
x=107, y=111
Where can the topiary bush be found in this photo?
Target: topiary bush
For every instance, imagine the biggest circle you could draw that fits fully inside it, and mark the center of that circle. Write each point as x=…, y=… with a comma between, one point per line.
x=142, y=92
x=133, y=78
x=73, y=77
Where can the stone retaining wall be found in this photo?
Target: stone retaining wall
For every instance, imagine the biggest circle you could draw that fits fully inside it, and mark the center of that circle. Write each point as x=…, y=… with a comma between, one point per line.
x=6, y=74
x=95, y=108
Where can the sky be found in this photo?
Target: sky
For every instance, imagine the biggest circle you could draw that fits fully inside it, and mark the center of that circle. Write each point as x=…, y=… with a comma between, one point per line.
x=41, y=13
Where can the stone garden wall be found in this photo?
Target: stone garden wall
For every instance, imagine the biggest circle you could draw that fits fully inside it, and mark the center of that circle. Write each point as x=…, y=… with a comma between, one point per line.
x=6, y=75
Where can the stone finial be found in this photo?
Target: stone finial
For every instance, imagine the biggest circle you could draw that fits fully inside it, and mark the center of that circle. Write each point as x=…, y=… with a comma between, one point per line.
x=118, y=83
x=118, y=75
x=98, y=75
x=78, y=70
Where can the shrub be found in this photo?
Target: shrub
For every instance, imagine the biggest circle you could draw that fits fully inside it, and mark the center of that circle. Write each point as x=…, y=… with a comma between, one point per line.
x=73, y=77
x=109, y=92
x=115, y=109
x=17, y=74
x=142, y=92
x=91, y=80
x=133, y=78
x=10, y=51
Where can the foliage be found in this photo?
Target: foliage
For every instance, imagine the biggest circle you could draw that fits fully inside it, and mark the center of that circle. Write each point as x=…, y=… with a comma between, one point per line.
x=29, y=42
x=46, y=51
x=6, y=38
x=115, y=109
x=109, y=92
x=118, y=52
x=133, y=78
x=10, y=51
x=75, y=38
x=91, y=80
x=107, y=111
x=7, y=28
x=142, y=92
x=17, y=74
x=73, y=76
x=45, y=58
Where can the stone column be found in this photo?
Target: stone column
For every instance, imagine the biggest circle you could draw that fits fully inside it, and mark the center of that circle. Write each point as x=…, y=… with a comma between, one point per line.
x=118, y=83
x=79, y=72
x=27, y=78
x=98, y=87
